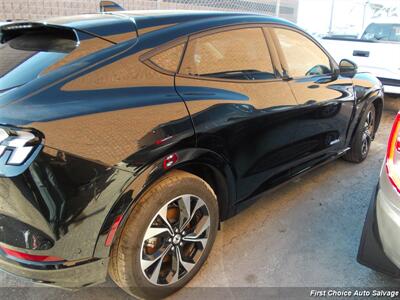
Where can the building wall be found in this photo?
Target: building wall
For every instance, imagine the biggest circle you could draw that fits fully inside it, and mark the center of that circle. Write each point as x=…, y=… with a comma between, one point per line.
x=41, y=9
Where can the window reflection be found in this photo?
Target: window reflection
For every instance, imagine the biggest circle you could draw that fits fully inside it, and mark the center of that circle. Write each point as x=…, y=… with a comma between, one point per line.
x=303, y=57
x=236, y=54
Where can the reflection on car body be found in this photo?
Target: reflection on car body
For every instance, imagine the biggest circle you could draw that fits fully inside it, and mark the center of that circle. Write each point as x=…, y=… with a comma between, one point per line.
x=218, y=103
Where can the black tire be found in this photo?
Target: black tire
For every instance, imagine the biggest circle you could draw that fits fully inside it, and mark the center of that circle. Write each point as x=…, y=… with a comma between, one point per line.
x=364, y=135
x=127, y=254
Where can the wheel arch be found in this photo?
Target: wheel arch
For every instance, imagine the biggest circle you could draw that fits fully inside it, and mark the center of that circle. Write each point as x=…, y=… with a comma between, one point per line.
x=218, y=182
x=206, y=164
x=377, y=99
x=378, y=103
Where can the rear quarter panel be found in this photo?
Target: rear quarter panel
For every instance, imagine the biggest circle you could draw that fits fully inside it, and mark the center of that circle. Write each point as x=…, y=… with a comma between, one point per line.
x=104, y=115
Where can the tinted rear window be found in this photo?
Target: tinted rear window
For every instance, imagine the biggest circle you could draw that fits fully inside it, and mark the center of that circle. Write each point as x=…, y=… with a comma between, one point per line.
x=25, y=55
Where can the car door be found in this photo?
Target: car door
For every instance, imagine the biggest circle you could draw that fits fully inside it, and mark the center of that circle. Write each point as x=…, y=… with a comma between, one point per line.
x=326, y=99
x=240, y=106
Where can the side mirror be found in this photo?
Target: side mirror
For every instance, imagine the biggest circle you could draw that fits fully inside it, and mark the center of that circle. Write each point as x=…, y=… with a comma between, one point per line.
x=348, y=67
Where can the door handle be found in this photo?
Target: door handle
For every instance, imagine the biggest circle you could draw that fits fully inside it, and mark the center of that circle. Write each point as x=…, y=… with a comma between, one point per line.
x=361, y=53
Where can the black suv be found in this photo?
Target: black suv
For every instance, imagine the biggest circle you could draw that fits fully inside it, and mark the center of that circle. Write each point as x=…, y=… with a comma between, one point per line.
x=126, y=137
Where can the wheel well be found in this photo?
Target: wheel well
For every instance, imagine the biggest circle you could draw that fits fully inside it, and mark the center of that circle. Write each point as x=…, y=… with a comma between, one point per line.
x=217, y=182
x=378, y=104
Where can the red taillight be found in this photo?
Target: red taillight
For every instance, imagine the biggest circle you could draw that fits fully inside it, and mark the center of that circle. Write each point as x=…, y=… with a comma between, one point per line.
x=29, y=257
x=113, y=230
x=393, y=155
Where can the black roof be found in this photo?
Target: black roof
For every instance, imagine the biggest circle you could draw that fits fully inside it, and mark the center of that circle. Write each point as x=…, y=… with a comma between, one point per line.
x=171, y=23
x=149, y=18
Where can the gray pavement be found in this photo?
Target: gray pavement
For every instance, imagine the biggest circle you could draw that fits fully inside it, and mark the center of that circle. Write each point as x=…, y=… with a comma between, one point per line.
x=304, y=234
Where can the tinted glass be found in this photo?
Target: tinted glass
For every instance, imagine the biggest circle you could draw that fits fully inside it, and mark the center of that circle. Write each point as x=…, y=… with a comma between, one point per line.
x=303, y=56
x=382, y=32
x=24, y=57
x=169, y=59
x=236, y=54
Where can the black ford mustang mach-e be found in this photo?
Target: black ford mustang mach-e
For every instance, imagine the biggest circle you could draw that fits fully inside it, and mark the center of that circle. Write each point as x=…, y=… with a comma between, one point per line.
x=126, y=137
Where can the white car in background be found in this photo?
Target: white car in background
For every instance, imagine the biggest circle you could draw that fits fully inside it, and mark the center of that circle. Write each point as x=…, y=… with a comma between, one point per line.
x=376, y=51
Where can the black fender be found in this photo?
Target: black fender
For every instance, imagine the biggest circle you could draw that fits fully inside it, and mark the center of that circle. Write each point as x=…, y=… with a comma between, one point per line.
x=190, y=160
x=364, y=96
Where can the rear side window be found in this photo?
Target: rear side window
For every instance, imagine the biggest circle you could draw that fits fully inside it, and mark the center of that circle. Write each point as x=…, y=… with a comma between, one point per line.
x=240, y=54
x=169, y=59
x=302, y=55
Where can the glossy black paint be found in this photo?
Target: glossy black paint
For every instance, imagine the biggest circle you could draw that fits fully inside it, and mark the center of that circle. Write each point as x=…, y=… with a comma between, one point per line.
x=109, y=121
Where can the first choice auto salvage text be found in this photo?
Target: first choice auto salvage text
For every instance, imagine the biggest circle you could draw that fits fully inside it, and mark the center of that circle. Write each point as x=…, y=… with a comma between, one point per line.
x=355, y=293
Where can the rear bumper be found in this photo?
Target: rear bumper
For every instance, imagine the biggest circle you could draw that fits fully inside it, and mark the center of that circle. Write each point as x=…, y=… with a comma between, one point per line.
x=73, y=277
x=61, y=207
x=370, y=252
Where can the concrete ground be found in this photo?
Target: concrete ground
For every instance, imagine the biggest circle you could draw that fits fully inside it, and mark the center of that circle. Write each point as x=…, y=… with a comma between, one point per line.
x=305, y=234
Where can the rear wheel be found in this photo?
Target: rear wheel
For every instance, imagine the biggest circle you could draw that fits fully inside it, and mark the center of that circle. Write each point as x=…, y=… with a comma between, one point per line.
x=167, y=237
x=363, y=137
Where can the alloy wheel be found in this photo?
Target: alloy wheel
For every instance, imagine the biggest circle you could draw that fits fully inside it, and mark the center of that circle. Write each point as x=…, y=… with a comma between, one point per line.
x=175, y=240
x=367, y=133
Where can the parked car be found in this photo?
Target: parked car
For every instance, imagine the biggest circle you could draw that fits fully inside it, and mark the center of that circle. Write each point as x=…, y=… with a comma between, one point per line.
x=380, y=244
x=127, y=138
x=373, y=52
